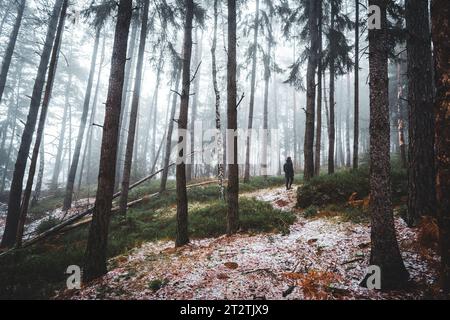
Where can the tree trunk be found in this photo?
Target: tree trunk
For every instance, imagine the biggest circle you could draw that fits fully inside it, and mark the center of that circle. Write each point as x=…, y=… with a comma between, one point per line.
x=385, y=252
x=440, y=12
x=348, y=156
x=232, y=147
x=6, y=14
x=325, y=100
x=151, y=139
x=88, y=144
x=317, y=157
x=124, y=106
x=60, y=150
x=308, y=149
x=167, y=123
x=6, y=123
x=15, y=195
x=155, y=104
x=295, y=138
x=275, y=122
x=10, y=48
x=8, y=157
x=134, y=112
x=421, y=171
x=69, y=151
x=356, y=97
x=220, y=164
x=182, y=237
x=264, y=142
x=400, y=121
x=13, y=134
x=87, y=99
x=252, y=95
x=332, y=129
x=339, y=148
x=40, y=177
x=88, y=152
x=190, y=172
x=168, y=146
x=42, y=118
x=158, y=153
x=95, y=258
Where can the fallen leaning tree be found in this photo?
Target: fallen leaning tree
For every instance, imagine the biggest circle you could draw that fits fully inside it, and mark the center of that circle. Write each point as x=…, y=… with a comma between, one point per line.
x=78, y=216
x=70, y=222
x=137, y=201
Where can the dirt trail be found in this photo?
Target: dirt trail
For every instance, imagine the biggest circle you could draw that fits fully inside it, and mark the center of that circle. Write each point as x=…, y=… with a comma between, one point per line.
x=280, y=198
x=321, y=258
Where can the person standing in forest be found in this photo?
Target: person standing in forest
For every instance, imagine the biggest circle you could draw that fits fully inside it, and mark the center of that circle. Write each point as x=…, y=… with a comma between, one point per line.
x=288, y=169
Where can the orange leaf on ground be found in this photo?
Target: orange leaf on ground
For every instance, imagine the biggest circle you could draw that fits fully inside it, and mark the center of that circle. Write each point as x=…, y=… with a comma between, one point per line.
x=293, y=275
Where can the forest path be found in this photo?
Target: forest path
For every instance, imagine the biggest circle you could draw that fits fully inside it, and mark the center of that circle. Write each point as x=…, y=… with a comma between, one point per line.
x=321, y=258
x=279, y=197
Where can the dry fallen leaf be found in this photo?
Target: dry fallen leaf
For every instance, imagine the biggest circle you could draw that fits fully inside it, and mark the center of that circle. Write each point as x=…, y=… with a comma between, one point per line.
x=281, y=203
x=293, y=275
x=231, y=265
x=170, y=250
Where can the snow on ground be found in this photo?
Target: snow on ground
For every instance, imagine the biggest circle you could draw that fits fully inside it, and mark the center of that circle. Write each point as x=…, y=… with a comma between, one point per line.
x=321, y=258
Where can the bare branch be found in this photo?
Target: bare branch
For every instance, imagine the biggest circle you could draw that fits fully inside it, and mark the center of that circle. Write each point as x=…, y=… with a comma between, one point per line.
x=176, y=92
x=240, y=100
x=196, y=71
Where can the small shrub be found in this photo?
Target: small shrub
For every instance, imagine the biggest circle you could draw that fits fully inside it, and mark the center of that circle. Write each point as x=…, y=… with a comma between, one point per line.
x=334, y=207
x=310, y=212
x=261, y=216
x=47, y=224
x=157, y=284
x=337, y=188
x=355, y=215
x=428, y=232
x=254, y=216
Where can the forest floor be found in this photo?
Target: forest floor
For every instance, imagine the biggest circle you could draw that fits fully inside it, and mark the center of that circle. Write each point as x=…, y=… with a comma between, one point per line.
x=323, y=257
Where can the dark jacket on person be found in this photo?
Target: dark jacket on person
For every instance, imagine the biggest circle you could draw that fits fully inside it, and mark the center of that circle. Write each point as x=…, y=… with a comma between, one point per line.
x=288, y=168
